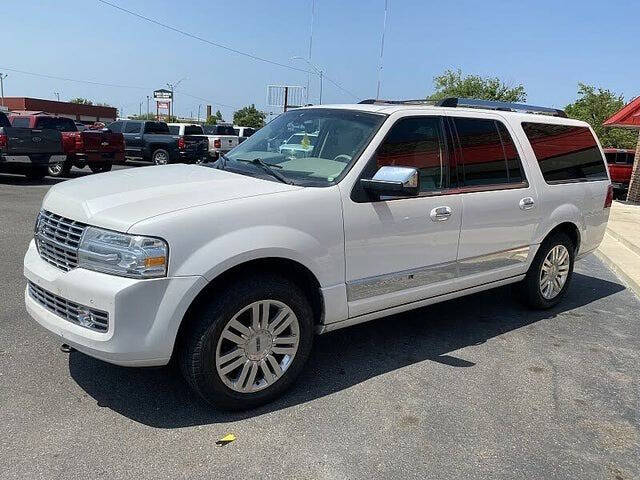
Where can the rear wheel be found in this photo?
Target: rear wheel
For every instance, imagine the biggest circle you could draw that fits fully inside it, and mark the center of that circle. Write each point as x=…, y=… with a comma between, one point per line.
x=550, y=272
x=160, y=157
x=247, y=346
x=61, y=169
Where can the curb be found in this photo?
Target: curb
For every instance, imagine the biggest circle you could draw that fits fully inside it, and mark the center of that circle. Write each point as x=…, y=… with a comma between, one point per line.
x=626, y=279
x=624, y=241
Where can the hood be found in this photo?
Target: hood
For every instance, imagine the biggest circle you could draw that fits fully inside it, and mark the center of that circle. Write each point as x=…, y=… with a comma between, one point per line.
x=118, y=200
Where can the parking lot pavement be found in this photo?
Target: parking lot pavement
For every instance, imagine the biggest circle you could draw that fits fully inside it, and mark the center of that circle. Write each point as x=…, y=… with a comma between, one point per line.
x=472, y=388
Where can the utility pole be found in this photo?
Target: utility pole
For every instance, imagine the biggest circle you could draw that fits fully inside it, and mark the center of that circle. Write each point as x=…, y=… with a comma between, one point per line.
x=320, y=87
x=384, y=28
x=313, y=11
x=199, y=107
x=147, y=107
x=57, y=94
x=172, y=86
x=140, y=109
x=2, y=77
x=286, y=97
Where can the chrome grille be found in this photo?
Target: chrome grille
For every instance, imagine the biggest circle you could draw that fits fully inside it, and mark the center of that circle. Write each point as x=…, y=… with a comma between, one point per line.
x=87, y=317
x=57, y=239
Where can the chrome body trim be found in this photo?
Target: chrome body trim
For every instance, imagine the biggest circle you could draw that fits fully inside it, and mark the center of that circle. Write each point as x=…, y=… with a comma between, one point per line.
x=422, y=276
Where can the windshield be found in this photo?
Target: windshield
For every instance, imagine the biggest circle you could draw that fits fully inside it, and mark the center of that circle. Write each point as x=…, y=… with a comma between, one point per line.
x=312, y=147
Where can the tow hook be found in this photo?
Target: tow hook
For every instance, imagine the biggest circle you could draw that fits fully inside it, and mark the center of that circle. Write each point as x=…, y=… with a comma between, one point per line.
x=64, y=348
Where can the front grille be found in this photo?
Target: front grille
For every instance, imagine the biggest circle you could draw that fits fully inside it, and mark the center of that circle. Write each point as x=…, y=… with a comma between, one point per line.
x=87, y=317
x=57, y=239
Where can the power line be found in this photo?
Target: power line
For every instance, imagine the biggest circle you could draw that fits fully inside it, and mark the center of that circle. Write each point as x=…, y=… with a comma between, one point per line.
x=224, y=47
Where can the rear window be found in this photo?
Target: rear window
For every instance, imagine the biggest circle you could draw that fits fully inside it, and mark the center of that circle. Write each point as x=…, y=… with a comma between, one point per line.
x=156, y=127
x=620, y=158
x=219, y=130
x=566, y=153
x=115, y=127
x=56, y=123
x=4, y=121
x=20, y=122
x=193, y=130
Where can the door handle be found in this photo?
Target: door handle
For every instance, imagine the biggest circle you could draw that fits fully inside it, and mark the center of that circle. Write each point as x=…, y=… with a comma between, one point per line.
x=527, y=203
x=440, y=214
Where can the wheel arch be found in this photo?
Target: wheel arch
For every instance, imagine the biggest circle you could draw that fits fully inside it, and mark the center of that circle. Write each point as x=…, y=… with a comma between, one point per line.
x=571, y=230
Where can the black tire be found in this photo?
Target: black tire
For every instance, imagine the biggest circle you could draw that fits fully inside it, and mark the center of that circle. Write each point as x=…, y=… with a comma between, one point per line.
x=57, y=170
x=37, y=172
x=530, y=289
x=102, y=167
x=197, y=347
x=160, y=157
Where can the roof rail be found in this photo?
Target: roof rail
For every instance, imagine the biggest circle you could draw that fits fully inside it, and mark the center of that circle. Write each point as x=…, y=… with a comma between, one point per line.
x=418, y=101
x=497, y=105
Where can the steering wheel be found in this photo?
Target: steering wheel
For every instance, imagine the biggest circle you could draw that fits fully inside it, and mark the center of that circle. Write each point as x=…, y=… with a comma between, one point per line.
x=342, y=157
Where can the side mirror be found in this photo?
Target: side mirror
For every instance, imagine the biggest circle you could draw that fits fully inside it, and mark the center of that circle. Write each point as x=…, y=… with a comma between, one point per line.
x=393, y=182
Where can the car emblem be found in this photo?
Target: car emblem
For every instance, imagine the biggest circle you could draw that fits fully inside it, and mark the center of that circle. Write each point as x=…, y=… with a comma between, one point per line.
x=104, y=144
x=36, y=139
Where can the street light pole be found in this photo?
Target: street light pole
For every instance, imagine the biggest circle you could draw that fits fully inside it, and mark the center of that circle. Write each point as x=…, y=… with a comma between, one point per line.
x=2, y=77
x=147, y=107
x=317, y=70
x=199, y=107
x=57, y=94
x=172, y=86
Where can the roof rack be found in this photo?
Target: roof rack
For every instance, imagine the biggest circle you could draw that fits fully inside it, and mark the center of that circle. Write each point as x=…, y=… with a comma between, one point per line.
x=473, y=103
x=497, y=105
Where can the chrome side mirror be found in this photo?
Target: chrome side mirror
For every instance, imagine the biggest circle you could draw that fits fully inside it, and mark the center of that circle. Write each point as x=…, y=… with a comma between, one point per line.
x=393, y=182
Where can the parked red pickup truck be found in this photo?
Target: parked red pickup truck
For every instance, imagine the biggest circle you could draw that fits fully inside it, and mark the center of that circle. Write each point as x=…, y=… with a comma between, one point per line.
x=97, y=149
x=620, y=162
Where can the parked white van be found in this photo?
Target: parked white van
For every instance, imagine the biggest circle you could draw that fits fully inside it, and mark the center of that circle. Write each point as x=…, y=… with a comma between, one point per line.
x=232, y=267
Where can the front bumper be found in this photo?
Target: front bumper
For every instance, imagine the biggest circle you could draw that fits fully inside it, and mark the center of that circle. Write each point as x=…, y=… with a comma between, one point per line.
x=32, y=159
x=144, y=315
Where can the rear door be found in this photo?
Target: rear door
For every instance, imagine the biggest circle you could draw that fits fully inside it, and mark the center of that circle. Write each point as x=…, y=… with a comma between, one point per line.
x=402, y=250
x=132, y=132
x=500, y=206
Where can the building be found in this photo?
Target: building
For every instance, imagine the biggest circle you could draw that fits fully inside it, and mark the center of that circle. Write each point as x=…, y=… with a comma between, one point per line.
x=75, y=111
x=629, y=117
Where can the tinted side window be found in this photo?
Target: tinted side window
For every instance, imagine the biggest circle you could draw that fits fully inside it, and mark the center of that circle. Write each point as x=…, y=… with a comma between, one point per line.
x=483, y=156
x=565, y=153
x=417, y=142
x=4, y=121
x=56, y=123
x=132, y=127
x=193, y=130
x=115, y=127
x=514, y=166
x=174, y=129
x=156, y=127
x=248, y=132
x=20, y=122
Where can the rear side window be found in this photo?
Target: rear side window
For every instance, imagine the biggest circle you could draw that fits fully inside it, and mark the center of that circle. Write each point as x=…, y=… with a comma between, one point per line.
x=224, y=130
x=174, y=129
x=115, y=127
x=4, y=121
x=20, y=122
x=132, y=127
x=489, y=156
x=193, y=130
x=417, y=142
x=565, y=153
x=156, y=127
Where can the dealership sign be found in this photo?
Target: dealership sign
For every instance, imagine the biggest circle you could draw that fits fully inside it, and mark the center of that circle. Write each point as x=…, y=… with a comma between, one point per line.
x=163, y=94
x=163, y=105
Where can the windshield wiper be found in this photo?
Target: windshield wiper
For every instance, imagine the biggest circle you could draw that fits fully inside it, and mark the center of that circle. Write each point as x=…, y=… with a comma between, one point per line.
x=267, y=168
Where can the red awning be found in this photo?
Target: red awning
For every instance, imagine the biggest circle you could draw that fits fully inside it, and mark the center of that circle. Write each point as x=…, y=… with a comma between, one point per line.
x=627, y=117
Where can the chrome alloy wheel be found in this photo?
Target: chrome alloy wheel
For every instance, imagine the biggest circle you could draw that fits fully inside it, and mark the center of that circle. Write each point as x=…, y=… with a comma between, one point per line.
x=554, y=271
x=160, y=158
x=257, y=346
x=55, y=169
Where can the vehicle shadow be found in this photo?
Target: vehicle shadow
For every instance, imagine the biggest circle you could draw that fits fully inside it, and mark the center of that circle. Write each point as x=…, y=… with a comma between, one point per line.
x=18, y=179
x=341, y=359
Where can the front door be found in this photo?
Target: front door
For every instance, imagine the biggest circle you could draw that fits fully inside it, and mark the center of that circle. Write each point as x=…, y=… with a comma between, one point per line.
x=132, y=133
x=401, y=250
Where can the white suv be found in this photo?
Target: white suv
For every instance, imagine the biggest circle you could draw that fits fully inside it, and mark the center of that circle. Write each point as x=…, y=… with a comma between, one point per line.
x=232, y=268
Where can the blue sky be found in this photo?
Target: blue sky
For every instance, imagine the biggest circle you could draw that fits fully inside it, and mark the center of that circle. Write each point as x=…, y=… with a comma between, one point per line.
x=549, y=46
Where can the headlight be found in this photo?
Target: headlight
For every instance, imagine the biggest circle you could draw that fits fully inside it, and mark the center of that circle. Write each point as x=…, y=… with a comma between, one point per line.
x=121, y=254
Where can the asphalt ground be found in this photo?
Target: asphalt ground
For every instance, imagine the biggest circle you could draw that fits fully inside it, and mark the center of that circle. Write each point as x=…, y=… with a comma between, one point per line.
x=477, y=387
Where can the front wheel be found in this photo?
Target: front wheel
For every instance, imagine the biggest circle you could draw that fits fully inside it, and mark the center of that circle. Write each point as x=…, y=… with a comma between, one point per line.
x=247, y=346
x=550, y=272
x=60, y=169
x=160, y=157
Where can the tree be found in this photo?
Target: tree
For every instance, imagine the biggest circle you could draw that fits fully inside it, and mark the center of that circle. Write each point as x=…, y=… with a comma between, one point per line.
x=249, y=117
x=219, y=115
x=594, y=106
x=144, y=116
x=81, y=101
x=211, y=120
x=455, y=84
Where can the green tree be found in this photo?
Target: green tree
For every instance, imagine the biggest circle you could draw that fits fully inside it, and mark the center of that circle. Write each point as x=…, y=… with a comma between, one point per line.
x=211, y=120
x=219, y=115
x=144, y=116
x=454, y=84
x=594, y=106
x=249, y=117
x=81, y=101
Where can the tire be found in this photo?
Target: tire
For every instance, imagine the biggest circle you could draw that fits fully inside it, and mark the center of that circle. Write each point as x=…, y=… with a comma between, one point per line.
x=541, y=295
x=37, y=172
x=203, y=346
x=160, y=157
x=104, y=167
x=58, y=170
